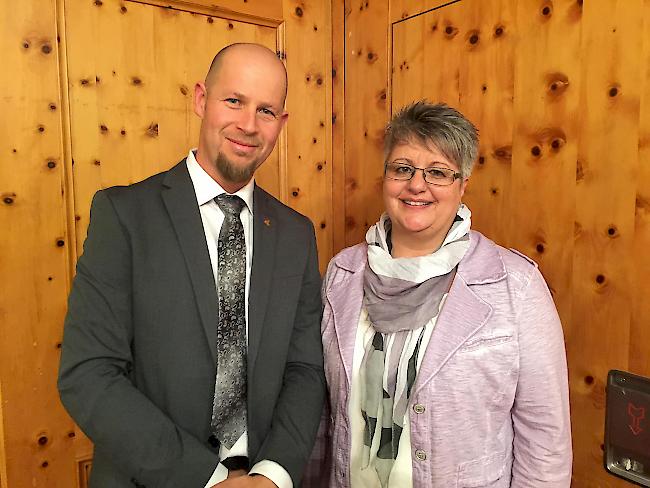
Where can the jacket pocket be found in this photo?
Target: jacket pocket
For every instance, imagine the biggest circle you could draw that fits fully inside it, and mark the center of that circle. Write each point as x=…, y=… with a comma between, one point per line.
x=482, y=471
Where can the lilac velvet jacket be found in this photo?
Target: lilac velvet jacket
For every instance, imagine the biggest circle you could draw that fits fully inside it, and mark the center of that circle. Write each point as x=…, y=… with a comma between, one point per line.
x=492, y=391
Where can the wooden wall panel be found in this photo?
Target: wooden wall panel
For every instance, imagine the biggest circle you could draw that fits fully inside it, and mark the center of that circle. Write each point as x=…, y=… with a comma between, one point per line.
x=340, y=10
x=110, y=103
x=562, y=99
x=366, y=85
x=605, y=203
x=543, y=180
x=486, y=36
x=33, y=258
x=309, y=130
x=640, y=329
x=465, y=59
x=403, y=9
x=131, y=91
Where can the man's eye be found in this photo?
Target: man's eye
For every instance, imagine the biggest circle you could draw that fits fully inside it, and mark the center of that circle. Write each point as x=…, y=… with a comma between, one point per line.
x=267, y=112
x=232, y=101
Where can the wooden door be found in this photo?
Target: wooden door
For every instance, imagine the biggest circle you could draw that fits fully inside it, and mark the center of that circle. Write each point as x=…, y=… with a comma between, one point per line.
x=99, y=94
x=560, y=91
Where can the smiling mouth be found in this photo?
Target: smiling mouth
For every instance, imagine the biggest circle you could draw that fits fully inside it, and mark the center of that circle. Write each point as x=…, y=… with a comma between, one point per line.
x=413, y=203
x=242, y=144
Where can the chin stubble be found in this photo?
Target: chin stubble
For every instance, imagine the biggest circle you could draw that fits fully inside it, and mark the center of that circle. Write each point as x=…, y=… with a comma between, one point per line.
x=234, y=173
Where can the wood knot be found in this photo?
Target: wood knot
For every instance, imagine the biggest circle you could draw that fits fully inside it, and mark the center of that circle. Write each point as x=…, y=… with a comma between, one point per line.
x=46, y=48
x=498, y=31
x=503, y=153
x=152, y=130
x=323, y=225
x=42, y=440
x=210, y=20
x=299, y=11
x=230, y=26
x=99, y=3
x=52, y=107
x=9, y=198
x=614, y=91
x=60, y=243
x=103, y=129
x=536, y=151
x=136, y=81
x=183, y=89
x=547, y=9
x=450, y=31
x=540, y=248
x=123, y=9
x=600, y=279
x=473, y=37
x=295, y=192
x=557, y=83
x=51, y=164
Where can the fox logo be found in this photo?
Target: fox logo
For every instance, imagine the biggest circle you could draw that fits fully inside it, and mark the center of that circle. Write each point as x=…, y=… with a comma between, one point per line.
x=637, y=414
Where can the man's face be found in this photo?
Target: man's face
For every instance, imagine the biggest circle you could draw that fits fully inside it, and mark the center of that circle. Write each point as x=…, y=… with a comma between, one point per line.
x=242, y=115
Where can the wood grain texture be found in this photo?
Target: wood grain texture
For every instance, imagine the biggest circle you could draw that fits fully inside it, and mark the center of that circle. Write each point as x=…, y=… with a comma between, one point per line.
x=545, y=143
x=559, y=90
x=340, y=10
x=309, y=140
x=403, y=9
x=366, y=84
x=131, y=91
x=260, y=12
x=599, y=332
x=640, y=326
x=33, y=257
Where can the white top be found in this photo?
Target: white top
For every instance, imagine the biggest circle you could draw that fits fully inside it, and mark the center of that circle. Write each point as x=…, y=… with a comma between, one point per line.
x=206, y=190
x=401, y=473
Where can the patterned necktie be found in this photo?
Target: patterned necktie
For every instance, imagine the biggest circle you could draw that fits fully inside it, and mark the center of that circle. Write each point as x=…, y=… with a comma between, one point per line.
x=229, y=407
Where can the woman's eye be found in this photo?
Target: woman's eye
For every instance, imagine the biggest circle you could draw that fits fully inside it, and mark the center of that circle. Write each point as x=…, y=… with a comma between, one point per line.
x=437, y=173
x=403, y=169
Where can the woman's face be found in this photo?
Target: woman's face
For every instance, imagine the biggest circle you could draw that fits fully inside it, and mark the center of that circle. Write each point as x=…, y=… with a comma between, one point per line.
x=421, y=213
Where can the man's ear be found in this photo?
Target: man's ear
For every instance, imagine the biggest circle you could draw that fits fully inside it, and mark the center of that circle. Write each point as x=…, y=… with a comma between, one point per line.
x=283, y=118
x=200, y=98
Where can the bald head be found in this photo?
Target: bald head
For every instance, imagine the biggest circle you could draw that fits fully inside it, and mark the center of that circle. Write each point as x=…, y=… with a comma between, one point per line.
x=253, y=53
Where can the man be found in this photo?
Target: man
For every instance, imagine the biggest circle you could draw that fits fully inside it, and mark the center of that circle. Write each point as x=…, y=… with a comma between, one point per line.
x=191, y=272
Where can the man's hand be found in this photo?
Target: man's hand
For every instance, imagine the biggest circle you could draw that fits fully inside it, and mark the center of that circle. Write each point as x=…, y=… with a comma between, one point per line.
x=254, y=481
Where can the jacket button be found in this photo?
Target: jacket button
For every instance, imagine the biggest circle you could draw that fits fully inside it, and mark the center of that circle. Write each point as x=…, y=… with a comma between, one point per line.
x=420, y=455
x=419, y=408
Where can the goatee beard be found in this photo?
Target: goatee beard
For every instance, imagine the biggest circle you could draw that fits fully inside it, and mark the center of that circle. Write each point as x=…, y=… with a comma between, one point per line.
x=234, y=173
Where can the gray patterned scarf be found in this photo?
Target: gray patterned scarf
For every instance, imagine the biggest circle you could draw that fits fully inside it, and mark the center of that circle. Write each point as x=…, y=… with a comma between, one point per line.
x=401, y=296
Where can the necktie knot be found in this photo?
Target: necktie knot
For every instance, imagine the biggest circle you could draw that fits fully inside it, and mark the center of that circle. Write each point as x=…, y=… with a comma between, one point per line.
x=230, y=205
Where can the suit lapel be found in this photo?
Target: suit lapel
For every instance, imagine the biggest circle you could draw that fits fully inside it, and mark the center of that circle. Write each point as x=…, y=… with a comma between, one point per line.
x=265, y=230
x=180, y=200
x=462, y=315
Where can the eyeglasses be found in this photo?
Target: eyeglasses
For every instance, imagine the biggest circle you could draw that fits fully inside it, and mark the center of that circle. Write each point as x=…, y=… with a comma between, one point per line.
x=401, y=171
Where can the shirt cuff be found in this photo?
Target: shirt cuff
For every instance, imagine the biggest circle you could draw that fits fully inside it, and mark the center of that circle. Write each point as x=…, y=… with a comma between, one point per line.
x=274, y=472
x=220, y=473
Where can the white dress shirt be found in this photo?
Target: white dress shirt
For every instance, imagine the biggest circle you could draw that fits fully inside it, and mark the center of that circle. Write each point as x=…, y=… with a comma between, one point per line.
x=206, y=190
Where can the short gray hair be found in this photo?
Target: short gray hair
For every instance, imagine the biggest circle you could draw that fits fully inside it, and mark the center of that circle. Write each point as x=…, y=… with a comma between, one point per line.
x=435, y=125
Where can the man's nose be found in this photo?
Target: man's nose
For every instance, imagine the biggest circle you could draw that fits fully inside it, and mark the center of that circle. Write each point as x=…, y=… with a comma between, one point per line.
x=248, y=121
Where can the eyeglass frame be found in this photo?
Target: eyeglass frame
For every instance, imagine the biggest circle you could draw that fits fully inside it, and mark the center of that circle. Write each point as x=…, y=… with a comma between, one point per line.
x=456, y=175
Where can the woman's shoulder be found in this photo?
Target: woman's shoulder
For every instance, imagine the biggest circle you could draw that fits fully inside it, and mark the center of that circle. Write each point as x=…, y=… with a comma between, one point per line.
x=485, y=254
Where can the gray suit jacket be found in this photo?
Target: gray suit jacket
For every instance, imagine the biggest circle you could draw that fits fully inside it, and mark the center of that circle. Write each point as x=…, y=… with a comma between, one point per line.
x=139, y=351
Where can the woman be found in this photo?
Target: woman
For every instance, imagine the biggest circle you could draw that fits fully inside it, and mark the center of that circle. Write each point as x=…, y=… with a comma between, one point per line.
x=444, y=353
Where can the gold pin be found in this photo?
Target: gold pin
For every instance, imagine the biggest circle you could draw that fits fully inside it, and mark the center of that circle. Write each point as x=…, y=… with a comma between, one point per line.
x=267, y=222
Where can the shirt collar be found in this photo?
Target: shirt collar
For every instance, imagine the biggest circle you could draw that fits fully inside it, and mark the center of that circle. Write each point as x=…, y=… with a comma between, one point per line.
x=207, y=189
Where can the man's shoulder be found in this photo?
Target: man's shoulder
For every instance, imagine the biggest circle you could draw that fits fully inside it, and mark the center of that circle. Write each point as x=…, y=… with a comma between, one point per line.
x=288, y=215
x=140, y=189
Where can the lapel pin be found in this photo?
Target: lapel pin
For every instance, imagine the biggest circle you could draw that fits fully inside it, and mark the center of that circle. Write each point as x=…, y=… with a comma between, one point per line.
x=267, y=222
